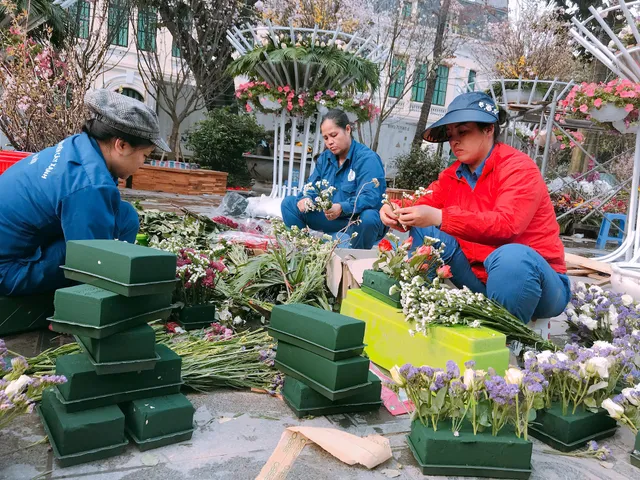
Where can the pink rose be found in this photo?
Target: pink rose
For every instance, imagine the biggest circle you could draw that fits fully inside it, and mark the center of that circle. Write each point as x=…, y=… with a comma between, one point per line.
x=424, y=250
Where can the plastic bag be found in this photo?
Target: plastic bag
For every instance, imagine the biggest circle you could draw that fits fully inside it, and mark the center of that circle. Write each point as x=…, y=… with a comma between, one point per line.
x=233, y=205
x=249, y=240
x=264, y=207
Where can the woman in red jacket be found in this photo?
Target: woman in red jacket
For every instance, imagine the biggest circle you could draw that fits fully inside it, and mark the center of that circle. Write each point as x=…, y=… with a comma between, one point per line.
x=492, y=210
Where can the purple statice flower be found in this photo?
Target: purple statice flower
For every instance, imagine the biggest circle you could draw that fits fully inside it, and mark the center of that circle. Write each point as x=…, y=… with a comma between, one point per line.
x=3, y=347
x=452, y=369
x=439, y=380
x=413, y=374
x=427, y=371
x=593, y=445
x=53, y=379
x=470, y=364
x=619, y=332
x=619, y=399
x=404, y=370
x=8, y=405
x=456, y=387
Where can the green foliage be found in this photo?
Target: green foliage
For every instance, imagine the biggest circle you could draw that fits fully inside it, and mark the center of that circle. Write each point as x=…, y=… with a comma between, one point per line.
x=219, y=141
x=418, y=168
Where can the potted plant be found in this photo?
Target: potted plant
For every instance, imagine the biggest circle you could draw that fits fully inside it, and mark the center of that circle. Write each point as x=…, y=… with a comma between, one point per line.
x=625, y=408
x=604, y=102
x=461, y=422
x=580, y=379
x=394, y=264
x=199, y=272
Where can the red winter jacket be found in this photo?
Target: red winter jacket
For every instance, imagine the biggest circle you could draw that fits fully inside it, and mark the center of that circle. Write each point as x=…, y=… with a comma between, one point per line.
x=510, y=204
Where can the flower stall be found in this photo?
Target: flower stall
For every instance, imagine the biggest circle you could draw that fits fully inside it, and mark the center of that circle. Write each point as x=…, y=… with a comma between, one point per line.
x=295, y=76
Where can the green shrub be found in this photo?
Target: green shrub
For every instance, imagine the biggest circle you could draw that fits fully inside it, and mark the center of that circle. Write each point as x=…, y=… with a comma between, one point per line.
x=219, y=141
x=418, y=168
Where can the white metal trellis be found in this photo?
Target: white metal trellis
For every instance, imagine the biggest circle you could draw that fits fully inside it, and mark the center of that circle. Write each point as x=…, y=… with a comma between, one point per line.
x=245, y=40
x=624, y=62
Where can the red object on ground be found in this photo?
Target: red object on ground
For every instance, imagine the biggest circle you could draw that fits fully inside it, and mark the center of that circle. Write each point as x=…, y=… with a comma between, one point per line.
x=9, y=157
x=510, y=204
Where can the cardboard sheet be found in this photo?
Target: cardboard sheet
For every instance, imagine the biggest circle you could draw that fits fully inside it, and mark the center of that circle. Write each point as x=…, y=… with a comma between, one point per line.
x=369, y=451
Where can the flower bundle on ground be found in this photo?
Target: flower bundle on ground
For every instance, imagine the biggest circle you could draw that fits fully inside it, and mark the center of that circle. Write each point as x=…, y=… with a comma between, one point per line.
x=320, y=195
x=596, y=314
x=19, y=391
x=481, y=398
x=599, y=452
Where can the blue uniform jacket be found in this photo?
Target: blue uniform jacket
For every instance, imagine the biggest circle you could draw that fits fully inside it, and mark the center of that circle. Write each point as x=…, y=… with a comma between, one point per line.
x=65, y=191
x=361, y=167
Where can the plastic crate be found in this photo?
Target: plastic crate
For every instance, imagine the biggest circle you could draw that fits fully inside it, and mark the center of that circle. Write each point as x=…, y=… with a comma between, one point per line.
x=389, y=343
x=9, y=157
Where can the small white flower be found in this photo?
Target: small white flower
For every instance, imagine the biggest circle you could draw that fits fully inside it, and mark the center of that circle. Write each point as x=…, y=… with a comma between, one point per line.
x=627, y=300
x=17, y=386
x=481, y=104
x=615, y=411
x=456, y=433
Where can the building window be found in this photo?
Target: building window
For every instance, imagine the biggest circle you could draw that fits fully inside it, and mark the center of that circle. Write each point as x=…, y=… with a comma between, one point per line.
x=131, y=93
x=419, y=83
x=398, y=73
x=81, y=13
x=442, y=79
x=406, y=9
x=147, y=29
x=118, y=23
x=471, y=81
x=175, y=49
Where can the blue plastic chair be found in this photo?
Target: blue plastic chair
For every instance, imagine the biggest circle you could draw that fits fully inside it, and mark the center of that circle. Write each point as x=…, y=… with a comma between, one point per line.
x=605, y=227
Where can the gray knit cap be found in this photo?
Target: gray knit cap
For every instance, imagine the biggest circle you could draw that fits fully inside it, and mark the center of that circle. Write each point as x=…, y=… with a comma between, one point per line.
x=125, y=114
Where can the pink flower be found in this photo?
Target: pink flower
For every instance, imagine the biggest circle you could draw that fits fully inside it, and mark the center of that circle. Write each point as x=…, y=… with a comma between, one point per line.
x=424, y=250
x=280, y=89
x=628, y=94
x=248, y=108
x=331, y=93
x=287, y=88
x=407, y=243
x=444, y=272
x=562, y=146
x=597, y=102
x=584, y=108
x=628, y=107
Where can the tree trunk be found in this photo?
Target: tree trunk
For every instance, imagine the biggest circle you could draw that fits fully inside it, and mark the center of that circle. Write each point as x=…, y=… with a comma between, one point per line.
x=431, y=80
x=174, y=140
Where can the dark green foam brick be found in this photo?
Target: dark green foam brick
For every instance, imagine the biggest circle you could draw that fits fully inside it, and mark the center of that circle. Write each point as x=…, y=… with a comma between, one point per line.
x=138, y=343
x=81, y=431
x=572, y=431
x=304, y=397
x=634, y=458
x=322, y=327
x=84, y=383
x=121, y=261
x=158, y=416
x=336, y=375
x=93, y=306
x=378, y=284
x=22, y=314
x=481, y=455
x=197, y=316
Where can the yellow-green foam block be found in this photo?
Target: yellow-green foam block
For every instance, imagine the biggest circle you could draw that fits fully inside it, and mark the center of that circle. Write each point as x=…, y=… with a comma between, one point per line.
x=389, y=343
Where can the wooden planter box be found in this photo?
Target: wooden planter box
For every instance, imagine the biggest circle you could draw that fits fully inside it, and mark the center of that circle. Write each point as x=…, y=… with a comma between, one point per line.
x=185, y=182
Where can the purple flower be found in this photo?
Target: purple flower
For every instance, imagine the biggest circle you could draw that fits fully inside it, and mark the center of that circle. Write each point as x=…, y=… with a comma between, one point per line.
x=593, y=445
x=452, y=369
x=53, y=379
x=19, y=363
x=412, y=373
x=427, y=371
x=404, y=370
x=470, y=364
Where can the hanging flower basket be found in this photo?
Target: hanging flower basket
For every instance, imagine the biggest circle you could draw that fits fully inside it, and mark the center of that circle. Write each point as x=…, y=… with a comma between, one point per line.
x=608, y=113
x=439, y=452
x=513, y=95
x=571, y=431
x=624, y=127
x=268, y=102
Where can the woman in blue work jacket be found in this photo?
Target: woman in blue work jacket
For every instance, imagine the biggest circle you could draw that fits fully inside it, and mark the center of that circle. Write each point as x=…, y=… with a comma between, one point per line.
x=70, y=192
x=351, y=168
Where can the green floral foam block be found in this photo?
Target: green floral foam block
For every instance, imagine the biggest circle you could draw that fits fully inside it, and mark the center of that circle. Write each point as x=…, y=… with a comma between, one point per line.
x=121, y=261
x=97, y=307
x=84, y=383
x=334, y=375
x=321, y=327
x=138, y=343
x=81, y=431
x=22, y=314
x=158, y=416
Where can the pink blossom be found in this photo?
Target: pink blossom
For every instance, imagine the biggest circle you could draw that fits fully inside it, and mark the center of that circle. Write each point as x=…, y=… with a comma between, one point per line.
x=248, y=108
x=628, y=94
x=331, y=93
x=584, y=108
x=628, y=107
x=287, y=88
x=562, y=146
x=597, y=102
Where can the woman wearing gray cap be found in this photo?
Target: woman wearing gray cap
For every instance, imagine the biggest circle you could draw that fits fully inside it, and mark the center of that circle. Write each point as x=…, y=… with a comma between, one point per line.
x=70, y=192
x=492, y=210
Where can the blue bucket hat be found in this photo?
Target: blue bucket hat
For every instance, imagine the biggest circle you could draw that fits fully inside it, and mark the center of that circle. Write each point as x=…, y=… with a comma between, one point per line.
x=468, y=107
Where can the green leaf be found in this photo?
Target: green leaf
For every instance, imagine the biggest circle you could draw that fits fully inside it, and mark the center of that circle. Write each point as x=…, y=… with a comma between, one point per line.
x=438, y=401
x=532, y=415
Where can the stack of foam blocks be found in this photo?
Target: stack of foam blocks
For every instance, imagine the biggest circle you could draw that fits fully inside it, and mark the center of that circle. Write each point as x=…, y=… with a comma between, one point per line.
x=122, y=383
x=320, y=354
